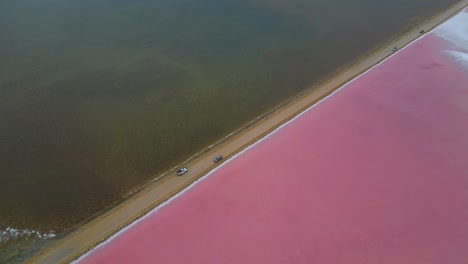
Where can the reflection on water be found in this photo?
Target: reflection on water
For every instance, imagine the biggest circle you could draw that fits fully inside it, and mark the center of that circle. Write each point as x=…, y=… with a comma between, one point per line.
x=98, y=97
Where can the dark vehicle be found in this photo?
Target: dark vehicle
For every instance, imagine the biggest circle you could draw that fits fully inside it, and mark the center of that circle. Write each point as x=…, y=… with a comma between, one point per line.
x=182, y=171
x=395, y=49
x=218, y=158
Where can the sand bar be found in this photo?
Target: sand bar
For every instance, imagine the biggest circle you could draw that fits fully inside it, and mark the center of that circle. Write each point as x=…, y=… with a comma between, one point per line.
x=110, y=222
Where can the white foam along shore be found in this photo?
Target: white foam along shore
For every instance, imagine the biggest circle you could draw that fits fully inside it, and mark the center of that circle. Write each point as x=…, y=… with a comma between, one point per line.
x=11, y=233
x=455, y=32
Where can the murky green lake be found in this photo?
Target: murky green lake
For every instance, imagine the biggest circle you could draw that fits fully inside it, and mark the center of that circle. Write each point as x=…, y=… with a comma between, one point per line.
x=99, y=97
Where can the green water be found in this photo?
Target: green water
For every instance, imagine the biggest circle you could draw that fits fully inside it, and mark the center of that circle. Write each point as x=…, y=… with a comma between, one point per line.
x=99, y=97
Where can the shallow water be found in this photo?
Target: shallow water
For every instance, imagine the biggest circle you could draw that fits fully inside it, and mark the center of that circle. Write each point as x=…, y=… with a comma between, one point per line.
x=99, y=97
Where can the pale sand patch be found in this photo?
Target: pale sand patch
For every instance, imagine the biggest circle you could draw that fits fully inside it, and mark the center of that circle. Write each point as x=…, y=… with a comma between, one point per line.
x=92, y=233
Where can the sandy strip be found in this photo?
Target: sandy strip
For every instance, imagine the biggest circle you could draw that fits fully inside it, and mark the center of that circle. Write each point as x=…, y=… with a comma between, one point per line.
x=91, y=234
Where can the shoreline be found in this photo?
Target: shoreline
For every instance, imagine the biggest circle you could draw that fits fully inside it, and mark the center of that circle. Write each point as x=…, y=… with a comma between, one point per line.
x=156, y=192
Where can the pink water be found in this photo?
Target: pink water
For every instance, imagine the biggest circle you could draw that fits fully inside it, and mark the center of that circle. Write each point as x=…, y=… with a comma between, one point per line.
x=376, y=173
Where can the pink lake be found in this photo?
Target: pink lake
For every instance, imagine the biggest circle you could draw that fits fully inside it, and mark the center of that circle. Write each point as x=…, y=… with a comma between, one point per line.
x=375, y=173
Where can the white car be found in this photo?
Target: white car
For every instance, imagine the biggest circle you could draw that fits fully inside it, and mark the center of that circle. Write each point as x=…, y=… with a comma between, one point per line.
x=395, y=49
x=182, y=171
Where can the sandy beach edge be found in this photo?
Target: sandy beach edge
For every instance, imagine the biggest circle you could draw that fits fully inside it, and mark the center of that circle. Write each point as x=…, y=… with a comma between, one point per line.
x=101, y=228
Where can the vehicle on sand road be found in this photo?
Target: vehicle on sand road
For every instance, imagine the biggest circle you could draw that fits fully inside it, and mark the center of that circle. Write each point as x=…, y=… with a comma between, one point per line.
x=218, y=158
x=182, y=171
